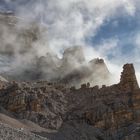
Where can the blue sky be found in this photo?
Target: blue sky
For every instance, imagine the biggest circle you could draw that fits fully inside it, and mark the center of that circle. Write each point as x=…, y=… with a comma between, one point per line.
x=123, y=28
x=110, y=27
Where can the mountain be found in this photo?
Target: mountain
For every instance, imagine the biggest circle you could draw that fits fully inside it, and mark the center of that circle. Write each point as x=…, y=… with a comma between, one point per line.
x=95, y=72
x=68, y=98
x=19, y=40
x=56, y=111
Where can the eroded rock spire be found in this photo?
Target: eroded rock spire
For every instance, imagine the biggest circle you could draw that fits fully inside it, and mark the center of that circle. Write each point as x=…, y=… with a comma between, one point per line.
x=128, y=79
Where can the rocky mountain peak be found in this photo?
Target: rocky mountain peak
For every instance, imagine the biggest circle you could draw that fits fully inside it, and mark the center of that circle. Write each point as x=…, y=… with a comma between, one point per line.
x=128, y=79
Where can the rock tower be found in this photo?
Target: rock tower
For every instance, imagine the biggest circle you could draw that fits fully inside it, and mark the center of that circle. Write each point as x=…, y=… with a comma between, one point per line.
x=128, y=81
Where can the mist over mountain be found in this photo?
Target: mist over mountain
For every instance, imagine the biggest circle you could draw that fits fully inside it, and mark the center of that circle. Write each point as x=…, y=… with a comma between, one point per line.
x=20, y=59
x=95, y=25
x=61, y=75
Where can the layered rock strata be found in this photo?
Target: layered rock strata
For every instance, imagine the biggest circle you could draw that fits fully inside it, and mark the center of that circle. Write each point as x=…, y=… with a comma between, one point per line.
x=112, y=109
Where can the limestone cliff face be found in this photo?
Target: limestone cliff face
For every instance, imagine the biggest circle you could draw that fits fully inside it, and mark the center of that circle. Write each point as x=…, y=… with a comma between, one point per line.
x=117, y=106
x=128, y=79
x=111, y=109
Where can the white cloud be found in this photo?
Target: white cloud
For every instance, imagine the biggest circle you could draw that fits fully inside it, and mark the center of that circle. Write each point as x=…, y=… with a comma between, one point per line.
x=72, y=20
x=108, y=46
x=69, y=22
x=130, y=7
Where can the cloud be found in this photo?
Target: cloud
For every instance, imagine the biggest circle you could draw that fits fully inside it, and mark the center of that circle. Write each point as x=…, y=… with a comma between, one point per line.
x=70, y=23
x=130, y=6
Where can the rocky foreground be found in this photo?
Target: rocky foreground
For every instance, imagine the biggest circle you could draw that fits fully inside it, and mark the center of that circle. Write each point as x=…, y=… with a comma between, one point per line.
x=57, y=112
x=9, y=133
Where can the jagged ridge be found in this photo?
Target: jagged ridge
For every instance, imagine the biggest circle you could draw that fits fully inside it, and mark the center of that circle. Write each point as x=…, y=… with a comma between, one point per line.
x=51, y=105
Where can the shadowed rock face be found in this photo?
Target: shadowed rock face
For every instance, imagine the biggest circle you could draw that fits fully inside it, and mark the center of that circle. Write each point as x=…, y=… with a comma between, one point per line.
x=108, y=113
